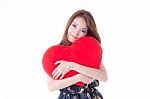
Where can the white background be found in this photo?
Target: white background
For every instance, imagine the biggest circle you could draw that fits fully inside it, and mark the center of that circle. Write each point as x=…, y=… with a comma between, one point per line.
x=29, y=27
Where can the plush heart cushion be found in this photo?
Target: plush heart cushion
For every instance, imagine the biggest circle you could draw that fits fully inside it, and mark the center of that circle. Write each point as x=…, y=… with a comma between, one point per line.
x=85, y=51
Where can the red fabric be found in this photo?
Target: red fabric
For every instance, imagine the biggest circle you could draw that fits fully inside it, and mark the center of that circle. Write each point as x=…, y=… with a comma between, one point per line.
x=85, y=51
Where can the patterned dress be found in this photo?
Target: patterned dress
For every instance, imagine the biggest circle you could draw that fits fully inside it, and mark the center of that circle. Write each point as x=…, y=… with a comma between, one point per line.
x=76, y=92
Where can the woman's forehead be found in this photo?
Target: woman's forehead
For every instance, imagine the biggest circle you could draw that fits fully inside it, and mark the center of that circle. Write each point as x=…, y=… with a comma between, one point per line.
x=80, y=22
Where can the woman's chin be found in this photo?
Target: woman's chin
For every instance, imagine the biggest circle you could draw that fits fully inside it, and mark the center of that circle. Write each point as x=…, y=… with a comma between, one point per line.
x=72, y=39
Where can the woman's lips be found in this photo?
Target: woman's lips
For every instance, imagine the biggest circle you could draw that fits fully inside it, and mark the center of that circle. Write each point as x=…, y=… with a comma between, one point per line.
x=74, y=36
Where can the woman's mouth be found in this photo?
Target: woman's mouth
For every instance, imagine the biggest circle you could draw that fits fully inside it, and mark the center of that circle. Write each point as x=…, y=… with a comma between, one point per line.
x=74, y=36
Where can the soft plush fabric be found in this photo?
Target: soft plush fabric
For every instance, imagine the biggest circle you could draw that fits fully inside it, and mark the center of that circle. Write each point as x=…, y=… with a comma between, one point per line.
x=85, y=51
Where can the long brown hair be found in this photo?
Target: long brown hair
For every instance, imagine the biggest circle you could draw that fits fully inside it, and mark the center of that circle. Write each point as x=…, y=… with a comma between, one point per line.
x=91, y=25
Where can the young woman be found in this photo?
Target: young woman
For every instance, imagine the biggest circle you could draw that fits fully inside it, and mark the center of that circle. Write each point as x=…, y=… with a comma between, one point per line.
x=80, y=24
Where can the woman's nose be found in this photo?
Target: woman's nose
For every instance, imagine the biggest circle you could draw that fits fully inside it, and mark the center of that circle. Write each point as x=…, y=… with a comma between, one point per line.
x=76, y=32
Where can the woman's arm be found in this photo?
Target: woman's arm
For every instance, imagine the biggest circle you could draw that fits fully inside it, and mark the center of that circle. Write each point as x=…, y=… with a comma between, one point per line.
x=65, y=66
x=99, y=74
x=59, y=84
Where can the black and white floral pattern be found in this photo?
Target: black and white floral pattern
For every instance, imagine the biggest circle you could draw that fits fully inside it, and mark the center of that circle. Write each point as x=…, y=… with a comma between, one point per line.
x=85, y=92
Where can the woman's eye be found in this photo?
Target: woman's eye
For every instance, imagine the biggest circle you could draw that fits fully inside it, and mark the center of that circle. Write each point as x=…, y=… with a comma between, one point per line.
x=84, y=31
x=74, y=25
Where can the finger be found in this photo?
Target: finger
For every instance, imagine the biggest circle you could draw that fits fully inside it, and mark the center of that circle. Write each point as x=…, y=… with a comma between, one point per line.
x=57, y=62
x=62, y=76
x=58, y=75
x=55, y=70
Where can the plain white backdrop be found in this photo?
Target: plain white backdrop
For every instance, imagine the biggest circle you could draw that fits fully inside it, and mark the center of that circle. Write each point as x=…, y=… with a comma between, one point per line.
x=29, y=27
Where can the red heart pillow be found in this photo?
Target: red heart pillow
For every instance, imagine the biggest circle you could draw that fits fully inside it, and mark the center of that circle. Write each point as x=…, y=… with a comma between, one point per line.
x=85, y=51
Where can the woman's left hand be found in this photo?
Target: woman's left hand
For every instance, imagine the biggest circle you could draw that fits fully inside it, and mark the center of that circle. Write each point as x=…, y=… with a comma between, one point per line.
x=63, y=68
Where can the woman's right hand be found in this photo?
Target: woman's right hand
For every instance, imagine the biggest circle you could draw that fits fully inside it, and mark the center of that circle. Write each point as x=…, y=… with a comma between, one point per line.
x=85, y=79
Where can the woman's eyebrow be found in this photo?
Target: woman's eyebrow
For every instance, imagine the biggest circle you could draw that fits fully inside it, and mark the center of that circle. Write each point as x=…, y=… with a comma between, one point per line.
x=84, y=28
x=74, y=23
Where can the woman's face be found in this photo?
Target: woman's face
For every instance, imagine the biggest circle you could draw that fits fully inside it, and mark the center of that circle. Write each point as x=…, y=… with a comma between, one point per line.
x=77, y=29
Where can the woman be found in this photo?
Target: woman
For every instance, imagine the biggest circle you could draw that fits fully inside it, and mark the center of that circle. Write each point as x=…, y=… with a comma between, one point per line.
x=80, y=24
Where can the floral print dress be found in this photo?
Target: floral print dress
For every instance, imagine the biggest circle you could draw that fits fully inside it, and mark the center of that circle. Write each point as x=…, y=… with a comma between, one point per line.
x=76, y=92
